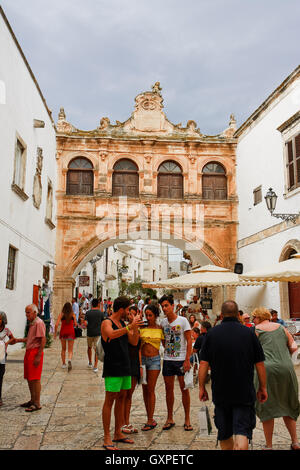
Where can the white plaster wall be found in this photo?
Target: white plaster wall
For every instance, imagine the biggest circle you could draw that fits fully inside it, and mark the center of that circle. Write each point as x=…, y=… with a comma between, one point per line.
x=260, y=161
x=21, y=224
x=259, y=255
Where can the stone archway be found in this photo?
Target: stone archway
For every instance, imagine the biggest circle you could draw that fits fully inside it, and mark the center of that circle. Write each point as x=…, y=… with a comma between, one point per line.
x=202, y=227
x=289, y=247
x=70, y=261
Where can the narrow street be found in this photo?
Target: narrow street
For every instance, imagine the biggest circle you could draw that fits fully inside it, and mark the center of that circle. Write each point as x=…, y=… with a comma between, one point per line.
x=70, y=418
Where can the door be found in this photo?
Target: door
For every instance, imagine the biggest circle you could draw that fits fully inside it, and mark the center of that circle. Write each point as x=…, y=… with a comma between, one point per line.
x=214, y=187
x=294, y=299
x=80, y=182
x=170, y=186
x=125, y=184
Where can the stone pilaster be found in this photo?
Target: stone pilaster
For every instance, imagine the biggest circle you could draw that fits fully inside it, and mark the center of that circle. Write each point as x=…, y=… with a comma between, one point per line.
x=62, y=292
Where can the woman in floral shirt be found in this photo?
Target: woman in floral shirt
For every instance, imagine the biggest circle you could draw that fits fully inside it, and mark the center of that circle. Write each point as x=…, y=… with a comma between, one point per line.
x=4, y=332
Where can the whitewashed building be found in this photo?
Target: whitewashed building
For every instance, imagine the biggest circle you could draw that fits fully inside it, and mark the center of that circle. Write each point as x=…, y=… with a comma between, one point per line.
x=130, y=261
x=27, y=185
x=268, y=156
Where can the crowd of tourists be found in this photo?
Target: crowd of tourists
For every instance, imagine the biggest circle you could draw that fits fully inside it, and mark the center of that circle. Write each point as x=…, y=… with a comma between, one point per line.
x=246, y=357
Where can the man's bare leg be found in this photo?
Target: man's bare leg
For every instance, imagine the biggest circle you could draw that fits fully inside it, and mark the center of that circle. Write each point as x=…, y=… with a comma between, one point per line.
x=110, y=397
x=119, y=414
x=240, y=442
x=169, y=384
x=228, y=444
x=186, y=401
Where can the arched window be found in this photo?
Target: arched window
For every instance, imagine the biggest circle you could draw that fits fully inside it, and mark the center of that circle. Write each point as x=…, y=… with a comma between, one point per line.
x=170, y=181
x=125, y=180
x=214, y=181
x=80, y=177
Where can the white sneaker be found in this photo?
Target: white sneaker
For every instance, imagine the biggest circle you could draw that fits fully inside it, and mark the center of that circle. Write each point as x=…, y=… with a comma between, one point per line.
x=64, y=366
x=90, y=366
x=95, y=369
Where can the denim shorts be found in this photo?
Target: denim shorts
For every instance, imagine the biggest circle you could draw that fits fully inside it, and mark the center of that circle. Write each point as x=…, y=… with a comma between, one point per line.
x=234, y=420
x=151, y=363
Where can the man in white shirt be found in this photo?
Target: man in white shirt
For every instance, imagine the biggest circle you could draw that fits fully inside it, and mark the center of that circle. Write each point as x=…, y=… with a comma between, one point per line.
x=140, y=304
x=195, y=306
x=178, y=350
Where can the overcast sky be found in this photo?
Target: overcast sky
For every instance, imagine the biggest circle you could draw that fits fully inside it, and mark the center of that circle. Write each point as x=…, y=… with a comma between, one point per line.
x=212, y=57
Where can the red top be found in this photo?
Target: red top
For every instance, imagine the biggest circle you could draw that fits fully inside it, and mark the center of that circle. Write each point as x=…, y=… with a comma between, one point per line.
x=36, y=333
x=67, y=329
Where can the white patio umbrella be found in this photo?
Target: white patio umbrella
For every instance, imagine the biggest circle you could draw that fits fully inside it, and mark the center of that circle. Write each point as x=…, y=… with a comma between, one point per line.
x=284, y=271
x=205, y=276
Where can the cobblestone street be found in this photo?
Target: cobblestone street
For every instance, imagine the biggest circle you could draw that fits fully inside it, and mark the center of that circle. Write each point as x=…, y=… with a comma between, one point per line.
x=70, y=417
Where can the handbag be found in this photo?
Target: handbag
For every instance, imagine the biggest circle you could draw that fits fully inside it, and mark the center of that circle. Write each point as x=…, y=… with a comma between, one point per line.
x=143, y=378
x=99, y=350
x=189, y=379
x=78, y=332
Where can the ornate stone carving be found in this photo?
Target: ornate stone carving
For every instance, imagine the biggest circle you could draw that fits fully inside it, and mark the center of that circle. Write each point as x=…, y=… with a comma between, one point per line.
x=63, y=126
x=37, y=182
x=192, y=158
x=156, y=88
x=148, y=158
x=104, y=124
x=58, y=154
x=103, y=155
x=230, y=131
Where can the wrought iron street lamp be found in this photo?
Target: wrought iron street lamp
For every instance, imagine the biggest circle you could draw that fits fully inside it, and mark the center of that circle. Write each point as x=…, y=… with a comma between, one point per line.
x=271, y=199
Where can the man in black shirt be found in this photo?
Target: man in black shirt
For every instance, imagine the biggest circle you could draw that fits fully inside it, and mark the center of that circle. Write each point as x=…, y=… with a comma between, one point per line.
x=115, y=335
x=232, y=350
x=93, y=318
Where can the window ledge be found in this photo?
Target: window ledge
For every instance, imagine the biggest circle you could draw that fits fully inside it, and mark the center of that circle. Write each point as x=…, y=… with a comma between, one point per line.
x=19, y=191
x=49, y=223
x=291, y=193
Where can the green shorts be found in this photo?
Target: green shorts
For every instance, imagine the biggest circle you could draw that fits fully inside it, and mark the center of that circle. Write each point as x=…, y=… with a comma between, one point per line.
x=116, y=384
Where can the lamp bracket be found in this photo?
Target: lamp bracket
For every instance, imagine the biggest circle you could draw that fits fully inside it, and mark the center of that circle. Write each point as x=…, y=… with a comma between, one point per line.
x=287, y=217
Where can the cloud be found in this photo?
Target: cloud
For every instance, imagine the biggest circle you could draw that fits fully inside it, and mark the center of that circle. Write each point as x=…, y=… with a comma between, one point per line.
x=212, y=57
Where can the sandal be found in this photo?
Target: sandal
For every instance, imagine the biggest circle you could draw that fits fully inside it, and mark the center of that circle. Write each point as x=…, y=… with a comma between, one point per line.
x=295, y=446
x=188, y=427
x=27, y=404
x=129, y=429
x=125, y=440
x=168, y=426
x=32, y=408
x=149, y=427
x=110, y=447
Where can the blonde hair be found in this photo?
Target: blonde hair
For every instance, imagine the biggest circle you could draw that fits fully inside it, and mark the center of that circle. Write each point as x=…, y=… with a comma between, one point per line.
x=261, y=313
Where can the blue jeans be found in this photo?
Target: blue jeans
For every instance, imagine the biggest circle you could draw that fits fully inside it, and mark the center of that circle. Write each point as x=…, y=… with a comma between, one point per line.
x=151, y=363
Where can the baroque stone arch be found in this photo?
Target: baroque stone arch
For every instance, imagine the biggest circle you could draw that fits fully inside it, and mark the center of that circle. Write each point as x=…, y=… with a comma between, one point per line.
x=68, y=157
x=88, y=250
x=113, y=159
x=290, y=247
x=182, y=162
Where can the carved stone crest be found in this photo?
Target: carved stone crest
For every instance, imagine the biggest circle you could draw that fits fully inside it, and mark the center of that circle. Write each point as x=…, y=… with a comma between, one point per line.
x=37, y=180
x=103, y=155
x=104, y=123
x=62, y=125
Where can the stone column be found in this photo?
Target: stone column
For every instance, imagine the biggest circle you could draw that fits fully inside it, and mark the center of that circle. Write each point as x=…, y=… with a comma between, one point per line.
x=62, y=292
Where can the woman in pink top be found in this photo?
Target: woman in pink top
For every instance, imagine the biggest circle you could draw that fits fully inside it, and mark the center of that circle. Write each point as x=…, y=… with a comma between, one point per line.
x=67, y=319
